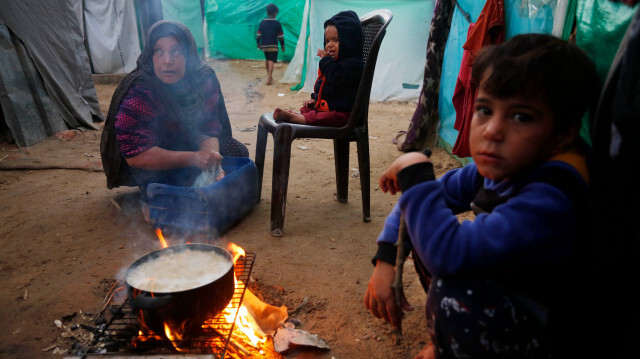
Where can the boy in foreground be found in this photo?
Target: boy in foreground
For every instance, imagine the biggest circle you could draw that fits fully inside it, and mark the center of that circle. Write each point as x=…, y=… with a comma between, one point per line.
x=507, y=284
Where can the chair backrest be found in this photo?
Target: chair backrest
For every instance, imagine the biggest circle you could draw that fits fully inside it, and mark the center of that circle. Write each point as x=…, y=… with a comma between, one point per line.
x=374, y=27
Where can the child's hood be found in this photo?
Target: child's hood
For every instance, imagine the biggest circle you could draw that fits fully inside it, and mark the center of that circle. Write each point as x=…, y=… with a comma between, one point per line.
x=349, y=33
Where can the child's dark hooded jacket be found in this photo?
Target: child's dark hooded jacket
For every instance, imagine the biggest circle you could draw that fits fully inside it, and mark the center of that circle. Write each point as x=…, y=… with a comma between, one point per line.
x=338, y=80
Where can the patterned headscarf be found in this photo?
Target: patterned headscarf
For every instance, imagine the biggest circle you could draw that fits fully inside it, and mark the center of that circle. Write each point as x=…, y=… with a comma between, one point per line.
x=185, y=98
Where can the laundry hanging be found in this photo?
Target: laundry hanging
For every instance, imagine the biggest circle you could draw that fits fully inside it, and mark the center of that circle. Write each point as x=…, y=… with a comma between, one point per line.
x=487, y=30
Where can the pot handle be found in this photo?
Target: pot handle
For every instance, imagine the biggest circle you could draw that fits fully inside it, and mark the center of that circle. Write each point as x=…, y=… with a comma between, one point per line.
x=144, y=302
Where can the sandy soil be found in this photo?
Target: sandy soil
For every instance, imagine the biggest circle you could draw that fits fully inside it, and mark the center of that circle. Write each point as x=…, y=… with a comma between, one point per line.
x=65, y=244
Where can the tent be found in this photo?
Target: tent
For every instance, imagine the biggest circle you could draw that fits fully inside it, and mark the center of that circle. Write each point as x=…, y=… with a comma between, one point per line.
x=45, y=77
x=599, y=24
x=51, y=49
x=232, y=25
x=400, y=65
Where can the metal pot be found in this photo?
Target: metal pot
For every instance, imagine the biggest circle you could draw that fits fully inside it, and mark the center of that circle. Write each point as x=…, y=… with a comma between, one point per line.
x=186, y=309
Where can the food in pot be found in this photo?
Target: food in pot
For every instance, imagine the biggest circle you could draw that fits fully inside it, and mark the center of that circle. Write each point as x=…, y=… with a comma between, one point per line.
x=178, y=271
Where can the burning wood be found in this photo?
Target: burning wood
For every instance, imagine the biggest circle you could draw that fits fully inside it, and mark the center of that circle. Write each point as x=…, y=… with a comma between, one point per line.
x=287, y=337
x=268, y=317
x=246, y=327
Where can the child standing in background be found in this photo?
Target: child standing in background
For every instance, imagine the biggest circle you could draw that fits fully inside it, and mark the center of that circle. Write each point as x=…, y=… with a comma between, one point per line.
x=269, y=34
x=339, y=74
x=514, y=282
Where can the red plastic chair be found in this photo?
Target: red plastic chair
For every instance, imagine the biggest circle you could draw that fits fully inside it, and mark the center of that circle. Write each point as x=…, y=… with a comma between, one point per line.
x=374, y=26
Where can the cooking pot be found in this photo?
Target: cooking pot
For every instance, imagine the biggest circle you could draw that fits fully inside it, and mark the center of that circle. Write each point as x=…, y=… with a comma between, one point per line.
x=184, y=307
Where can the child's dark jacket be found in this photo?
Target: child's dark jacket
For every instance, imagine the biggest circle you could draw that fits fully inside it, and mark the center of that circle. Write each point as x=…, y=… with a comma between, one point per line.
x=269, y=34
x=339, y=79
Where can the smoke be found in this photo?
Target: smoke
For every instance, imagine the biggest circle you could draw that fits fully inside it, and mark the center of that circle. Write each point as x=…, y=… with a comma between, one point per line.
x=192, y=215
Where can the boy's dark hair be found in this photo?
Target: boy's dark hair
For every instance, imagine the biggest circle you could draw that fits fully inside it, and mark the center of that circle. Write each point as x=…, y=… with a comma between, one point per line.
x=543, y=67
x=272, y=10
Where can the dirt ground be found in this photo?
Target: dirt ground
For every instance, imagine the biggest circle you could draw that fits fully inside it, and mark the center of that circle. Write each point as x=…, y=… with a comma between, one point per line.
x=65, y=243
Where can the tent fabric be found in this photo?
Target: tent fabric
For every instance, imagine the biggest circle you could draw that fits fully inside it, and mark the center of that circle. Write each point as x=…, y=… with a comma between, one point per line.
x=487, y=30
x=148, y=13
x=112, y=35
x=188, y=12
x=45, y=28
x=27, y=110
x=232, y=26
x=400, y=66
x=423, y=127
x=297, y=69
x=560, y=23
x=600, y=26
x=534, y=17
x=615, y=193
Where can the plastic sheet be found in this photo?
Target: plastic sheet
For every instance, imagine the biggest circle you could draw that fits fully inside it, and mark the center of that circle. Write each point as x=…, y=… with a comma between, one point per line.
x=112, y=35
x=232, y=27
x=600, y=26
x=188, y=12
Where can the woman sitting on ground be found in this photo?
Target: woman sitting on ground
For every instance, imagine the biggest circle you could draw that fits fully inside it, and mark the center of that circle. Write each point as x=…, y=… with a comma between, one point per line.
x=167, y=118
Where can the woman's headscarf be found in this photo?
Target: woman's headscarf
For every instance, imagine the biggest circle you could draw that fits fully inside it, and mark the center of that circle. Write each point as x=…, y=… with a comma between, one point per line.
x=185, y=98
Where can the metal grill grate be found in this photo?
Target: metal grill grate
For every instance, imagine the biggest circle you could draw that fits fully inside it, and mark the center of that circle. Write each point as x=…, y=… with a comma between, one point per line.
x=122, y=333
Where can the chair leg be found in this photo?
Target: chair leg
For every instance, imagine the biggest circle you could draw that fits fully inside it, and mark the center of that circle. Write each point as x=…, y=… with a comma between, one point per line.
x=365, y=176
x=280, y=181
x=261, y=147
x=341, y=154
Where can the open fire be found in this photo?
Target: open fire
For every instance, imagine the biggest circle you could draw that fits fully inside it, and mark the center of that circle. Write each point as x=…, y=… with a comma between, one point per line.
x=247, y=336
x=242, y=327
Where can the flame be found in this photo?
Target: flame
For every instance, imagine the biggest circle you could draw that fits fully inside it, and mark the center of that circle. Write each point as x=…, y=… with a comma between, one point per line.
x=163, y=243
x=245, y=325
x=236, y=251
x=174, y=336
x=246, y=330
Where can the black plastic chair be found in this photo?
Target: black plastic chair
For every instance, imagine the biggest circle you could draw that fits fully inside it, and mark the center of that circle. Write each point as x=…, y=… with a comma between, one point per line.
x=374, y=26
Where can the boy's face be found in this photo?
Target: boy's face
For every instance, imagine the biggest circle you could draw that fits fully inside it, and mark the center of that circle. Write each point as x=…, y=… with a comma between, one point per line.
x=510, y=135
x=331, y=41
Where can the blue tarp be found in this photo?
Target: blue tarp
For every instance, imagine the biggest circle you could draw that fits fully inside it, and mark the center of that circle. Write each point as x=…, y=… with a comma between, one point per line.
x=519, y=19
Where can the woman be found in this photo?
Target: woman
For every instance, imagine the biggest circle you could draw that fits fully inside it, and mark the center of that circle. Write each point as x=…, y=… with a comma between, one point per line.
x=167, y=118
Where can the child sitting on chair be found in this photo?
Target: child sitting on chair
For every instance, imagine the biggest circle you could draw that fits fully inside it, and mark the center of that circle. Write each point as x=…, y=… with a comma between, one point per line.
x=339, y=75
x=512, y=282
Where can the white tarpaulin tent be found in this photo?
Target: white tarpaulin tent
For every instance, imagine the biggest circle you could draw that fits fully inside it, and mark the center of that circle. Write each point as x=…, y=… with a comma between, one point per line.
x=400, y=67
x=112, y=35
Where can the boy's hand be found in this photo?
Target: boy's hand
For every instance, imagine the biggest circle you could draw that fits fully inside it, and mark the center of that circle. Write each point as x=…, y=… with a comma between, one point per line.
x=309, y=103
x=321, y=53
x=379, y=298
x=282, y=48
x=389, y=179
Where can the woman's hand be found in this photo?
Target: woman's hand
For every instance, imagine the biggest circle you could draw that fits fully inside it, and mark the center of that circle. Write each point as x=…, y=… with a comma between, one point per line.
x=380, y=299
x=209, y=155
x=389, y=179
x=206, y=159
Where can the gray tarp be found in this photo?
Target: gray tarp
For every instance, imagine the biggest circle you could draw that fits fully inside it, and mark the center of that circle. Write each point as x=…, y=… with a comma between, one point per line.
x=52, y=34
x=27, y=110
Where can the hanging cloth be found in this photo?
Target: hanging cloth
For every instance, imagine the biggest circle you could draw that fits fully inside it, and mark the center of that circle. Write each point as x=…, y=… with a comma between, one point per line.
x=422, y=130
x=487, y=30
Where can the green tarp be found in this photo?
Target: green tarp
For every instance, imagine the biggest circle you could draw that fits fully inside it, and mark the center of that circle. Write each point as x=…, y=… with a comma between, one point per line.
x=232, y=27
